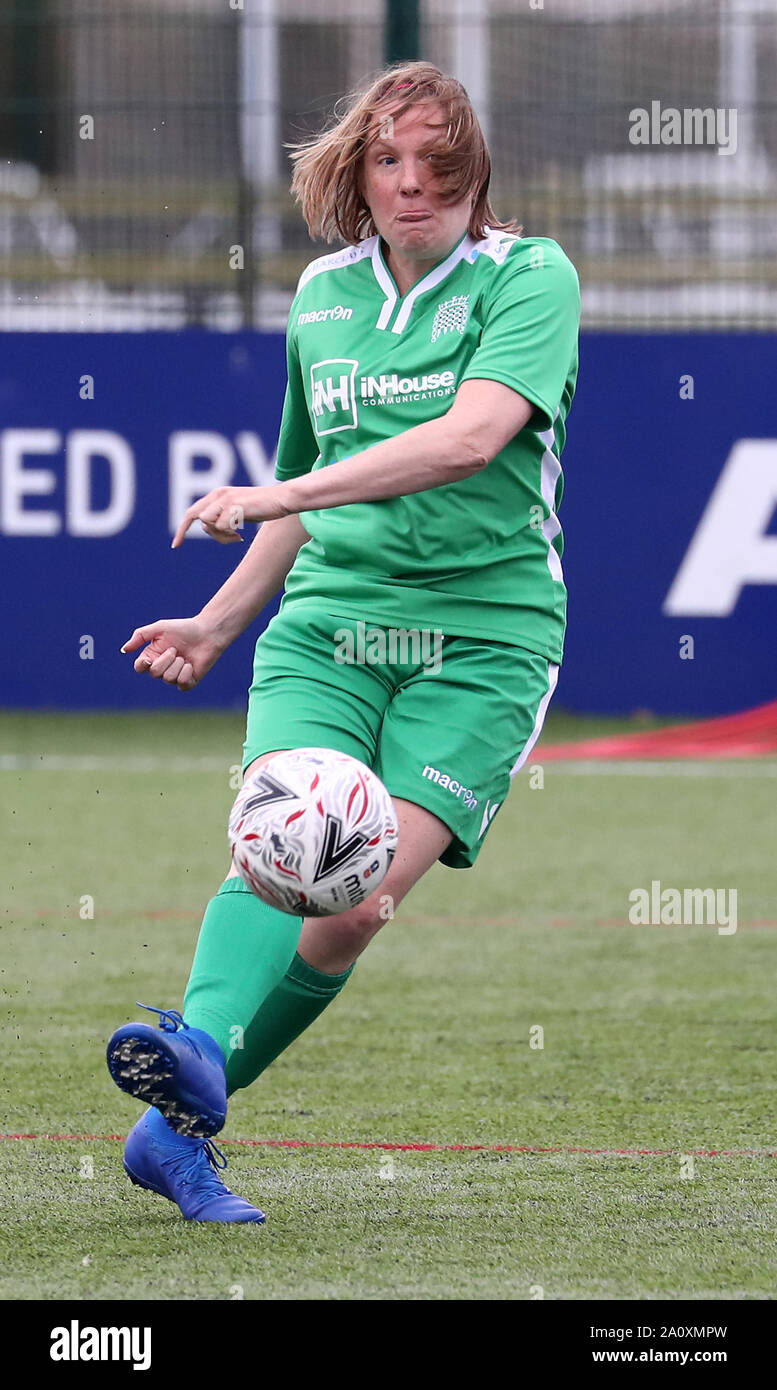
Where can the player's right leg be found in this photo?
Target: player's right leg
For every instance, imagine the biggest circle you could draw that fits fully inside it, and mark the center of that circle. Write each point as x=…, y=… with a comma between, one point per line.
x=184, y=1168
x=245, y=947
x=300, y=697
x=177, y=1068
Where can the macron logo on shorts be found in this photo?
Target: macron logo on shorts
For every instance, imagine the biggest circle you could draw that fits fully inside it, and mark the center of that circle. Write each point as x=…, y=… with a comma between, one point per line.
x=457, y=789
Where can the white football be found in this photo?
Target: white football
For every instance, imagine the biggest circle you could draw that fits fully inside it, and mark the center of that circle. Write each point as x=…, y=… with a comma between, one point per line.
x=312, y=832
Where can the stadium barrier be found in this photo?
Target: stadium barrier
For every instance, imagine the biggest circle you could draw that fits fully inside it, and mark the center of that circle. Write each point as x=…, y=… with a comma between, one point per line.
x=671, y=494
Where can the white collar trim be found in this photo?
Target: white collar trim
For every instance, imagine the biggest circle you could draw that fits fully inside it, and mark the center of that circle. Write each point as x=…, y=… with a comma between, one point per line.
x=428, y=282
x=386, y=284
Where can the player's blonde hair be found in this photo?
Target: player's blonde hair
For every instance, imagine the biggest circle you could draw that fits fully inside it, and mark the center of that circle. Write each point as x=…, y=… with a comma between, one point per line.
x=327, y=169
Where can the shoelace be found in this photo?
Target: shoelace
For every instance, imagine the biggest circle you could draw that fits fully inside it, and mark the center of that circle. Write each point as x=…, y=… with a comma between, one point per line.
x=170, y=1020
x=189, y=1168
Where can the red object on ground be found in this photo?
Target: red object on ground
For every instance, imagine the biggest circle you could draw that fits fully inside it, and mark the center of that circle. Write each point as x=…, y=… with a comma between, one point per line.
x=746, y=735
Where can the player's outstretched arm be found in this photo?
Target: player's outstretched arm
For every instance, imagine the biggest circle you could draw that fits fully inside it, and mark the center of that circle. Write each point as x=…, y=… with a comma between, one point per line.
x=485, y=415
x=181, y=651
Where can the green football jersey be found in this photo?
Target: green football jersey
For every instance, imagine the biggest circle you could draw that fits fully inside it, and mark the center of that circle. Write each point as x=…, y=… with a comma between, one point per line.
x=477, y=558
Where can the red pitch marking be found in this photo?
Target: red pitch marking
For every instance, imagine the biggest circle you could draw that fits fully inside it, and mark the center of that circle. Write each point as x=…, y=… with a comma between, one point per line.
x=412, y=919
x=435, y=1148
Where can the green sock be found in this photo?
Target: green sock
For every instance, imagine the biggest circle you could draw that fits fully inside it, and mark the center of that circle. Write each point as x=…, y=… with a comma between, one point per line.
x=243, y=951
x=293, y=1005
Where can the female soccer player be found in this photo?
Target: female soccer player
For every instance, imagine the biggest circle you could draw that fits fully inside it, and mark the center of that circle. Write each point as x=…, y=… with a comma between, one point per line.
x=431, y=366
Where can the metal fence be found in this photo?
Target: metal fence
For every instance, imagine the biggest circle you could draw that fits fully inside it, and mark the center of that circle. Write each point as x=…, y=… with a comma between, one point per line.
x=144, y=176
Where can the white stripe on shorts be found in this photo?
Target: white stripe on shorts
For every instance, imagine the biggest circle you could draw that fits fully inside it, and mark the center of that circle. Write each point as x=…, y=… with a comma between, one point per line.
x=540, y=720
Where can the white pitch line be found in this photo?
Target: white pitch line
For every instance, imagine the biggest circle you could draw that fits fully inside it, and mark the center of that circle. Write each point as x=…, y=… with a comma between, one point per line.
x=44, y=762
x=678, y=768
x=730, y=768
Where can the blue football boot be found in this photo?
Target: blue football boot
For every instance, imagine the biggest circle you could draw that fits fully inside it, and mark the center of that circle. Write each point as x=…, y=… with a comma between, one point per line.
x=178, y=1069
x=184, y=1171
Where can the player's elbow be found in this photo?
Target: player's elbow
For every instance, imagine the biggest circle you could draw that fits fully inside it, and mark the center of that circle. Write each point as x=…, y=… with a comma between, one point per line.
x=477, y=460
x=466, y=456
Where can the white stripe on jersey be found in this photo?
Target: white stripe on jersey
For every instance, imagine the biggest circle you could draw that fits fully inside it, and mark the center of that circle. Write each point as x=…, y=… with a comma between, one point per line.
x=551, y=469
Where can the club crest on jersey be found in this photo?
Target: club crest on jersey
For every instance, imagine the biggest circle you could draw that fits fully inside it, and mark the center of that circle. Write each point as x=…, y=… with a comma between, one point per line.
x=333, y=395
x=451, y=316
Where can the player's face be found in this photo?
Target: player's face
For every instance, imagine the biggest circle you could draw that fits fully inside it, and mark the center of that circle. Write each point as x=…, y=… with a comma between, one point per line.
x=400, y=188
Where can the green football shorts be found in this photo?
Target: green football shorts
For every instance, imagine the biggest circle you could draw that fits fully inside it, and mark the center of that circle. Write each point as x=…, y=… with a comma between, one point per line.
x=444, y=721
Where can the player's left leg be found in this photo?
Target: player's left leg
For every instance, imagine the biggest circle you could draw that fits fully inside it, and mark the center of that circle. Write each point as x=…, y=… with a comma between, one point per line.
x=333, y=943
x=476, y=719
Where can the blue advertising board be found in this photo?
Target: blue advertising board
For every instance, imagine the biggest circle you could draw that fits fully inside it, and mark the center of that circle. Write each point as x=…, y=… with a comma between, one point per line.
x=668, y=514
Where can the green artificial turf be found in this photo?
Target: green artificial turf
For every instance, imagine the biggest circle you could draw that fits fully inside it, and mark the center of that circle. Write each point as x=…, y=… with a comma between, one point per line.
x=655, y=1038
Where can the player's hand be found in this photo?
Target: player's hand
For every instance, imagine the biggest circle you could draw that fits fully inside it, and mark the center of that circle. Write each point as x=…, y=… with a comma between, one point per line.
x=224, y=512
x=180, y=650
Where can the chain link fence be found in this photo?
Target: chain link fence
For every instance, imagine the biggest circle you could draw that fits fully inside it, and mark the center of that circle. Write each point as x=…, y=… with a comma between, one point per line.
x=144, y=175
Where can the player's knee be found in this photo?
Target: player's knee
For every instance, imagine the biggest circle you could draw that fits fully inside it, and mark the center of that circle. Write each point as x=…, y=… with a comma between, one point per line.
x=358, y=926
